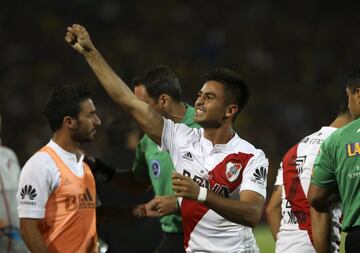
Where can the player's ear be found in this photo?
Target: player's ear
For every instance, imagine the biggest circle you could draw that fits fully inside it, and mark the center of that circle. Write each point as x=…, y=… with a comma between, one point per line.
x=164, y=100
x=357, y=92
x=69, y=122
x=231, y=110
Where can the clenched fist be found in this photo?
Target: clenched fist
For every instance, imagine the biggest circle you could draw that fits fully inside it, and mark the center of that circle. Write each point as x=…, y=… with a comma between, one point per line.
x=79, y=39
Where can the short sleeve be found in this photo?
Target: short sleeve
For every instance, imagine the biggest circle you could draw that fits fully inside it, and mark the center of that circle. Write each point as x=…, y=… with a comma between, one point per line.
x=174, y=136
x=38, y=179
x=255, y=174
x=323, y=172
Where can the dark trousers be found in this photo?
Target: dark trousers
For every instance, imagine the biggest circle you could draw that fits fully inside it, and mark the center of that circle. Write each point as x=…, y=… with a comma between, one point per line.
x=352, y=241
x=171, y=243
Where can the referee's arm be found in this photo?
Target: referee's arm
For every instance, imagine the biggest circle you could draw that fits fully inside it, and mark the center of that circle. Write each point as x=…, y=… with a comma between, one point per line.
x=321, y=197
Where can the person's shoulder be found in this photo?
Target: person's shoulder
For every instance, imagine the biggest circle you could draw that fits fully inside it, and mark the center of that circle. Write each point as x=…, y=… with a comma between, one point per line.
x=144, y=139
x=39, y=159
x=146, y=142
x=245, y=146
x=352, y=128
x=310, y=136
x=7, y=152
x=341, y=134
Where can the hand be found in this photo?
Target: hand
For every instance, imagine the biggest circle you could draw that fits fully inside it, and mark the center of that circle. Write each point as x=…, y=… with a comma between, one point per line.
x=139, y=211
x=184, y=186
x=160, y=206
x=79, y=39
x=166, y=204
x=152, y=209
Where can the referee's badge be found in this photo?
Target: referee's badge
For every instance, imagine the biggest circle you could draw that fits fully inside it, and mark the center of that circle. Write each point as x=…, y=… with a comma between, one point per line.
x=155, y=166
x=232, y=171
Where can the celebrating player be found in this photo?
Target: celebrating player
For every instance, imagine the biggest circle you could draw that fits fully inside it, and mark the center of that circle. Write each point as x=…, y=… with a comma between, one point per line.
x=222, y=178
x=336, y=170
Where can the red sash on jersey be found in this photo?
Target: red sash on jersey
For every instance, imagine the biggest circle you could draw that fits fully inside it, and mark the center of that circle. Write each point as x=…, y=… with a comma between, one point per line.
x=192, y=211
x=294, y=192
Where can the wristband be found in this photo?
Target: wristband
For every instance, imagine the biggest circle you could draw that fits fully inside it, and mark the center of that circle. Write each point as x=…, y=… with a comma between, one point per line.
x=202, y=194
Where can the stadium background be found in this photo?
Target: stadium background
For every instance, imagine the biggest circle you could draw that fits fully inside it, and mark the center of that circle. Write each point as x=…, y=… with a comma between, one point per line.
x=293, y=54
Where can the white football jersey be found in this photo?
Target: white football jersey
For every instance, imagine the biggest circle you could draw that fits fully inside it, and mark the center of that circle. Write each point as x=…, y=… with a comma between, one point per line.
x=9, y=177
x=294, y=177
x=10, y=240
x=41, y=174
x=226, y=169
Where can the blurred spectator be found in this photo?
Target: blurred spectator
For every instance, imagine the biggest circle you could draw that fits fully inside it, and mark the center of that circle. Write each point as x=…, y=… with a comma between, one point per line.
x=10, y=240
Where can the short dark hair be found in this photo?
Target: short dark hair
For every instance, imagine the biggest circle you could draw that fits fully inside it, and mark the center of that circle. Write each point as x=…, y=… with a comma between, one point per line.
x=64, y=101
x=236, y=90
x=161, y=80
x=353, y=80
x=137, y=81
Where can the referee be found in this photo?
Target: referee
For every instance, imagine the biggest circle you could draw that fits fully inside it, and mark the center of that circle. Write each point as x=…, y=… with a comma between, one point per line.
x=337, y=169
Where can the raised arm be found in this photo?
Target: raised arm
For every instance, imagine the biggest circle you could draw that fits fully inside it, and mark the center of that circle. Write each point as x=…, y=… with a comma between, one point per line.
x=149, y=120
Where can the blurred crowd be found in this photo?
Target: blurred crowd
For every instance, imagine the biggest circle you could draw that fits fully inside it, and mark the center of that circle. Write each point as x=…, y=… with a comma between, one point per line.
x=294, y=56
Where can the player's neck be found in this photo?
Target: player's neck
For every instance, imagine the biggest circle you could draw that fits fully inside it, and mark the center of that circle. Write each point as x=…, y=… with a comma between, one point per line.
x=176, y=112
x=66, y=143
x=341, y=120
x=220, y=135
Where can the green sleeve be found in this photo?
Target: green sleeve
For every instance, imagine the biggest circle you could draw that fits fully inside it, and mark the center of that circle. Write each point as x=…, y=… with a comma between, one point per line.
x=324, y=170
x=140, y=166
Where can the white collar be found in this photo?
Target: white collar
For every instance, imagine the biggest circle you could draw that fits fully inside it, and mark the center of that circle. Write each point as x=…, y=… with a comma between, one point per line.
x=227, y=147
x=63, y=153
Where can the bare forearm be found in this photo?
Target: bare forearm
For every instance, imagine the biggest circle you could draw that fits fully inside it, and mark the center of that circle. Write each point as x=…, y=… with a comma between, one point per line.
x=111, y=82
x=321, y=230
x=322, y=198
x=32, y=237
x=150, y=122
x=237, y=211
x=273, y=211
x=246, y=210
x=273, y=219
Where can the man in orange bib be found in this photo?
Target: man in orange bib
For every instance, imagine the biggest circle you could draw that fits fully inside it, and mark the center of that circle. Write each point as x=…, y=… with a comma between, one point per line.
x=56, y=195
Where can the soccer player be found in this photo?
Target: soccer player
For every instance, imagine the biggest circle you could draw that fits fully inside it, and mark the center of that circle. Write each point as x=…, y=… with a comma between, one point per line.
x=56, y=195
x=160, y=88
x=223, y=186
x=288, y=211
x=10, y=240
x=337, y=167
